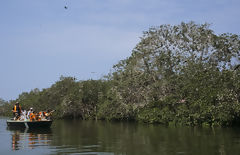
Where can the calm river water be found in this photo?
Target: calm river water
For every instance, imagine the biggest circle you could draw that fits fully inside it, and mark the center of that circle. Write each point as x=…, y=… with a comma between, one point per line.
x=105, y=138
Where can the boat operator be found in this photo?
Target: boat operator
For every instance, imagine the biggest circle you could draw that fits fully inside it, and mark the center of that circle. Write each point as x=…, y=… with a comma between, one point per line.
x=16, y=110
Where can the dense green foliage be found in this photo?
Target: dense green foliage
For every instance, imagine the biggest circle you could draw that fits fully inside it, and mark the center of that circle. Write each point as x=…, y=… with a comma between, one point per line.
x=3, y=107
x=183, y=74
x=70, y=98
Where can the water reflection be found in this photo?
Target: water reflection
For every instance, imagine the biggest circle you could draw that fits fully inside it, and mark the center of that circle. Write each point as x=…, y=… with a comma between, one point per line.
x=15, y=140
x=89, y=137
x=110, y=138
x=29, y=138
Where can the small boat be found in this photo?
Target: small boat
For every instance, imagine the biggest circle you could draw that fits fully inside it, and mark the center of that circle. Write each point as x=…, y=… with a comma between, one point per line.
x=29, y=124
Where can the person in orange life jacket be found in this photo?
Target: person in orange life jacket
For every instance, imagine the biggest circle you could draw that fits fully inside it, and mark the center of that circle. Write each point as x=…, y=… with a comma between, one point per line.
x=32, y=116
x=29, y=112
x=36, y=115
x=41, y=115
x=44, y=115
x=17, y=110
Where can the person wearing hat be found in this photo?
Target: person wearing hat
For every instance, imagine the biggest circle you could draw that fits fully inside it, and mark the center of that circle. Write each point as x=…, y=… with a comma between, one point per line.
x=16, y=110
x=29, y=113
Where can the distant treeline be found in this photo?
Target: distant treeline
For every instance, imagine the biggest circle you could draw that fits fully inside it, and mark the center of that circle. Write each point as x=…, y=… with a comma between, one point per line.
x=183, y=74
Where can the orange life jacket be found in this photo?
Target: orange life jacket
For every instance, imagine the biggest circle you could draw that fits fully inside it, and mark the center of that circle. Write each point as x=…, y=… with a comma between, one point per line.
x=39, y=117
x=32, y=116
x=15, y=108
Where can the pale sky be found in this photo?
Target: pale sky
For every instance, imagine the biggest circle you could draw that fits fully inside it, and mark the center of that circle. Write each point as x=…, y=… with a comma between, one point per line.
x=40, y=40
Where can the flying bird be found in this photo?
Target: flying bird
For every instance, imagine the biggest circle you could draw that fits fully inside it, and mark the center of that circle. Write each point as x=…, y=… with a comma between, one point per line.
x=65, y=7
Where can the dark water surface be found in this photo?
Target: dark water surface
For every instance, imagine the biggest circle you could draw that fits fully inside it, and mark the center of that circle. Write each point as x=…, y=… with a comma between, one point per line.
x=105, y=138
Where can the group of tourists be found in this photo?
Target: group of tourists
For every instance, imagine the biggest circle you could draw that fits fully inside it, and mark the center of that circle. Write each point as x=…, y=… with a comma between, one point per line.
x=23, y=115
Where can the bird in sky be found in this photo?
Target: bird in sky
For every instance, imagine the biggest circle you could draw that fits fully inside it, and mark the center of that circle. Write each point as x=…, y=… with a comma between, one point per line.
x=65, y=7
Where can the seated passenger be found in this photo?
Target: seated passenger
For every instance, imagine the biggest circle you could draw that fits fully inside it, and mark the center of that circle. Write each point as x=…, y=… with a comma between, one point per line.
x=29, y=112
x=41, y=115
x=23, y=115
x=48, y=114
x=32, y=116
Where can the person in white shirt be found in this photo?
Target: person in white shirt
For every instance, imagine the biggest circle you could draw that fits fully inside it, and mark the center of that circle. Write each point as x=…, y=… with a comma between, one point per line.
x=23, y=115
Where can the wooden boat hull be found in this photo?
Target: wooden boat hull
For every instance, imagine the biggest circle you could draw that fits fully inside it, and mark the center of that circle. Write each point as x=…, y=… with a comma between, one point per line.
x=29, y=124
